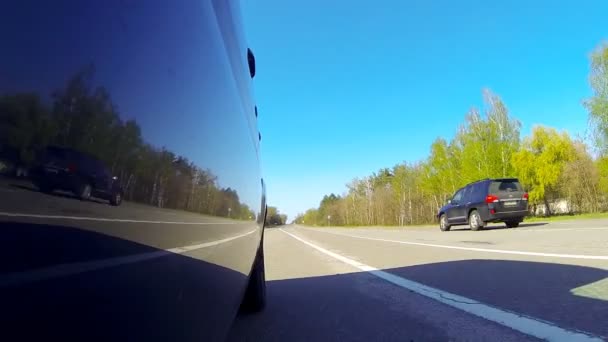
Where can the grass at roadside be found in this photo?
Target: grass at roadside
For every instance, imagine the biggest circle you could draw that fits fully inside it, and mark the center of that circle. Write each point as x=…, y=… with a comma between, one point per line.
x=567, y=217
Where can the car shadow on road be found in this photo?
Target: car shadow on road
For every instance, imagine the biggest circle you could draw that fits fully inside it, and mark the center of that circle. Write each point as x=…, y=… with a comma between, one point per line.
x=499, y=226
x=165, y=298
x=360, y=306
x=32, y=188
x=533, y=224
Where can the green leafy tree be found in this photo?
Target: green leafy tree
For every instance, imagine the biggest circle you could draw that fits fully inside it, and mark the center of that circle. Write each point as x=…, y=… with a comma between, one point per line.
x=580, y=181
x=329, y=211
x=441, y=171
x=311, y=216
x=541, y=160
x=487, y=142
x=274, y=217
x=598, y=103
x=601, y=164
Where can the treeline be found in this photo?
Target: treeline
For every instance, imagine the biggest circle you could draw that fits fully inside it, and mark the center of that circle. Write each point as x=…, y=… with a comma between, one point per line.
x=274, y=217
x=550, y=164
x=83, y=117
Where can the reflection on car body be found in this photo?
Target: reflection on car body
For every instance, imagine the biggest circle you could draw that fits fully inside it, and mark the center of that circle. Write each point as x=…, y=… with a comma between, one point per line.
x=158, y=113
x=67, y=169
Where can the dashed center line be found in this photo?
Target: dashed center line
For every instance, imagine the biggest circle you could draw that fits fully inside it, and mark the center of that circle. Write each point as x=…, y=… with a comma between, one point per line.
x=525, y=324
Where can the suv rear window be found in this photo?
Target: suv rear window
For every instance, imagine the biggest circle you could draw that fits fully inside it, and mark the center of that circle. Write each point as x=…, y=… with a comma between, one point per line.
x=507, y=185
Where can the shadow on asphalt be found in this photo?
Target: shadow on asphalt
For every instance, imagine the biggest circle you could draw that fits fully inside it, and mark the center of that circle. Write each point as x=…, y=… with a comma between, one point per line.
x=181, y=298
x=359, y=306
x=170, y=298
x=533, y=224
x=32, y=188
x=498, y=226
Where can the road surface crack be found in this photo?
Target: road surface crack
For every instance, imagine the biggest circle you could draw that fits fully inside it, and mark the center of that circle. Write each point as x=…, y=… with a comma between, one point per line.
x=455, y=300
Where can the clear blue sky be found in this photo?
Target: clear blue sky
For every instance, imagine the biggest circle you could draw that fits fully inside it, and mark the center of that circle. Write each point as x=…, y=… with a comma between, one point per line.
x=347, y=87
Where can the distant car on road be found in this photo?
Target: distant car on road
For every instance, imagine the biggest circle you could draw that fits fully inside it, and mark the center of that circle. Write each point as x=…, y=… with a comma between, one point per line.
x=59, y=168
x=484, y=201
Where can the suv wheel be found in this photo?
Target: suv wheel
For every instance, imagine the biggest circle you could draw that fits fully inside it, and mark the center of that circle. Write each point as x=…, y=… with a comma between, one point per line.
x=443, y=223
x=255, y=295
x=512, y=224
x=84, y=192
x=475, y=221
x=116, y=199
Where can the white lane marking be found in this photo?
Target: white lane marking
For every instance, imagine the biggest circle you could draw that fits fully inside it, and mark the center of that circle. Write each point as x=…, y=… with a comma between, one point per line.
x=525, y=324
x=473, y=249
x=103, y=219
x=20, y=278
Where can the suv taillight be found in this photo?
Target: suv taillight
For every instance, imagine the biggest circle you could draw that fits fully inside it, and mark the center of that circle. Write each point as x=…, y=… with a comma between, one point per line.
x=491, y=199
x=72, y=168
x=525, y=196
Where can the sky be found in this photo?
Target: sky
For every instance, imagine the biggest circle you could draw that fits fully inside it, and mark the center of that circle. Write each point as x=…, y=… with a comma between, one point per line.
x=345, y=88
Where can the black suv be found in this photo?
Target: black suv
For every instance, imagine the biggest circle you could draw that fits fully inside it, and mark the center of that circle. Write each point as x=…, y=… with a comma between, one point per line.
x=488, y=200
x=59, y=168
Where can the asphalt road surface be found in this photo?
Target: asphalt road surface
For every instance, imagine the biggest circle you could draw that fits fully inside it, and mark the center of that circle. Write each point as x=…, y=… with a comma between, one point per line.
x=88, y=271
x=21, y=202
x=539, y=281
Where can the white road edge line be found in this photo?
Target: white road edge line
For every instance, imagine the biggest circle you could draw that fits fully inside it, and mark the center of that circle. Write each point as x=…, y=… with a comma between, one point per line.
x=20, y=278
x=102, y=219
x=527, y=325
x=487, y=250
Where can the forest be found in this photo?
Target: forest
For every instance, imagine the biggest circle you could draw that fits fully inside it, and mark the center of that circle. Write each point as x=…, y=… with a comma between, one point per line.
x=551, y=165
x=82, y=116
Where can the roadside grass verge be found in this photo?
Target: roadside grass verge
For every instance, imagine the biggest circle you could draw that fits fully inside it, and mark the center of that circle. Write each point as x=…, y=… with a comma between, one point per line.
x=566, y=217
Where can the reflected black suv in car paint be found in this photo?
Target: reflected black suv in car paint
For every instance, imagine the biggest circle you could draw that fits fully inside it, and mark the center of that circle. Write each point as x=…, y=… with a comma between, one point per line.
x=484, y=201
x=161, y=94
x=60, y=168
